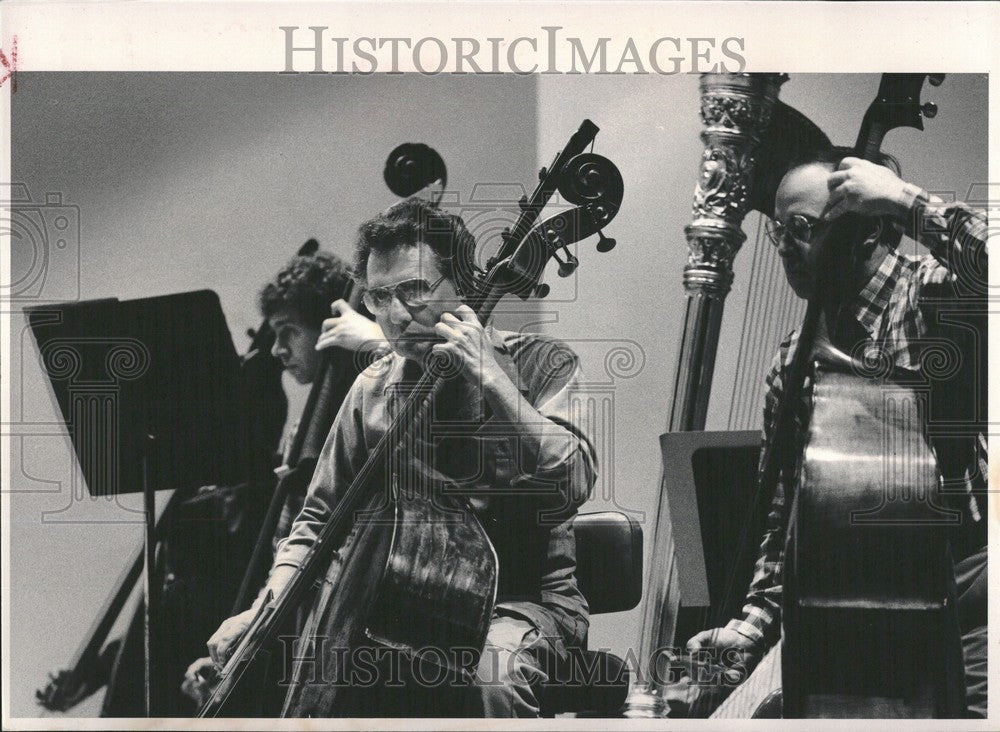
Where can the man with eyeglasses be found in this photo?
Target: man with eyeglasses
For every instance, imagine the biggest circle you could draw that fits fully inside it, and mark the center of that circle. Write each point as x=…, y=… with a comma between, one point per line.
x=516, y=449
x=888, y=305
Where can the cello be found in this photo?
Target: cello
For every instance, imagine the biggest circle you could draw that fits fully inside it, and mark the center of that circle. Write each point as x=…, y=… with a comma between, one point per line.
x=419, y=572
x=867, y=605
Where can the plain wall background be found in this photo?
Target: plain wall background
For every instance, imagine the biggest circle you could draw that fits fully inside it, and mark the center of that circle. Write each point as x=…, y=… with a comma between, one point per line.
x=189, y=181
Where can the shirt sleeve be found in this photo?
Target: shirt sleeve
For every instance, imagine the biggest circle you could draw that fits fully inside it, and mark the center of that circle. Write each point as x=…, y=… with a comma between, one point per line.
x=564, y=471
x=342, y=456
x=955, y=234
x=762, y=609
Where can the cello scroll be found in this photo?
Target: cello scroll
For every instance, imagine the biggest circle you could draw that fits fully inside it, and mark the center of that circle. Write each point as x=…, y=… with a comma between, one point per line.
x=589, y=181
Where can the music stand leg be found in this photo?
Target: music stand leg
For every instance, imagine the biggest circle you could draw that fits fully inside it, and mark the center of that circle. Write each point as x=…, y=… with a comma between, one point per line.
x=149, y=555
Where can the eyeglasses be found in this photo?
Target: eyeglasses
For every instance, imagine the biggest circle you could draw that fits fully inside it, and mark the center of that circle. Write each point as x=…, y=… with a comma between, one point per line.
x=798, y=227
x=413, y=294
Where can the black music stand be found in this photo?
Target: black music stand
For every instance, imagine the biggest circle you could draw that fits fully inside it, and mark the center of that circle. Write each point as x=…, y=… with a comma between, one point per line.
x=150, y=390
x=712, y=478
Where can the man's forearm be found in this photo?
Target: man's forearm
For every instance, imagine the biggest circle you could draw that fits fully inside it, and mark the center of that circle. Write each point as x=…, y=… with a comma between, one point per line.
x=280, y=576
x=545, y=446
x=514, y=411
x=758, y=621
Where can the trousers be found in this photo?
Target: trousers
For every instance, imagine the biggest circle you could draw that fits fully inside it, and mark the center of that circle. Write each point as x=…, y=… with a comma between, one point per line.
x=510, y=675
x=508, y=681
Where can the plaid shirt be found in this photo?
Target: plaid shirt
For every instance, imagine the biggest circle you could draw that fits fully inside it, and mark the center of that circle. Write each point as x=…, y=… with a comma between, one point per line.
x=892, y=310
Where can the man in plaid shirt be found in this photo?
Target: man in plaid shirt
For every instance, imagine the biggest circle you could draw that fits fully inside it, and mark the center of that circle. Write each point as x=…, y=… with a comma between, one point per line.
x=890, y=314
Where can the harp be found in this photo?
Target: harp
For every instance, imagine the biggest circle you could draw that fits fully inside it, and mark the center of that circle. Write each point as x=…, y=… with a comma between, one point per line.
x=750, y=139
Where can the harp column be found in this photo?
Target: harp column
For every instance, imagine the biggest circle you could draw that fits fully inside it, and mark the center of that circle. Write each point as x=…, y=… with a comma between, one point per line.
x=736, y=109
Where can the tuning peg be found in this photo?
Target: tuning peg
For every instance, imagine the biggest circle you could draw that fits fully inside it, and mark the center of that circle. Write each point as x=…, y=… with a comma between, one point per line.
x=567, y=266
x=522, y=202
x=929, y=110
x=542, y=173
x=542, y=290
x=251, y=333
x=935, y=79
x=606, y=244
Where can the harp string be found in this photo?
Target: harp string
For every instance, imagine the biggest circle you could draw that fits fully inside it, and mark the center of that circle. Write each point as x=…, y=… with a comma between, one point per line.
x=771, y=311
x=749, y=315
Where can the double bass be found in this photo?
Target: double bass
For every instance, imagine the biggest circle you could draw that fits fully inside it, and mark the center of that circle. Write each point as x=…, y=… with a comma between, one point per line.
x=419, y=572
x=868, y=609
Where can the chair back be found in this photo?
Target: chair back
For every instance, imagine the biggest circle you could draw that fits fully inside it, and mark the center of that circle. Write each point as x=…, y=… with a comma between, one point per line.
x=608, y=560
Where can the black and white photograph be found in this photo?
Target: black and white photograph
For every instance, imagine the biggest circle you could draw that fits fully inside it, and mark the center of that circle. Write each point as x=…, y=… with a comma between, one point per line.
x=415, y=365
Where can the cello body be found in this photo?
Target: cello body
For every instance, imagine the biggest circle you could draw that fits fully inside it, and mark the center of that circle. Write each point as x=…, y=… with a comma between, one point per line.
x=414, y=579
x=870, y=628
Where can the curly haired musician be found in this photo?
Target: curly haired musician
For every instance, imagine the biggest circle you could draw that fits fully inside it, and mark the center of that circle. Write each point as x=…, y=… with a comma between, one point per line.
x=297, y=303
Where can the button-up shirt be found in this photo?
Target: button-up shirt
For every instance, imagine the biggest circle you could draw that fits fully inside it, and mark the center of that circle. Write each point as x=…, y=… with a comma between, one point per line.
x=898, y=311
x=526, y=502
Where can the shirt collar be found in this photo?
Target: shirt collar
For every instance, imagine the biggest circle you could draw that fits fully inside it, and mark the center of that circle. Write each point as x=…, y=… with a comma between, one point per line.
x=465, y=402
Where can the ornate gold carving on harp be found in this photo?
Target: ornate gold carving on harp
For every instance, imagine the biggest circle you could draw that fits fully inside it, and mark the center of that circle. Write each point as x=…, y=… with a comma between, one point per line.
x=749, y=137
